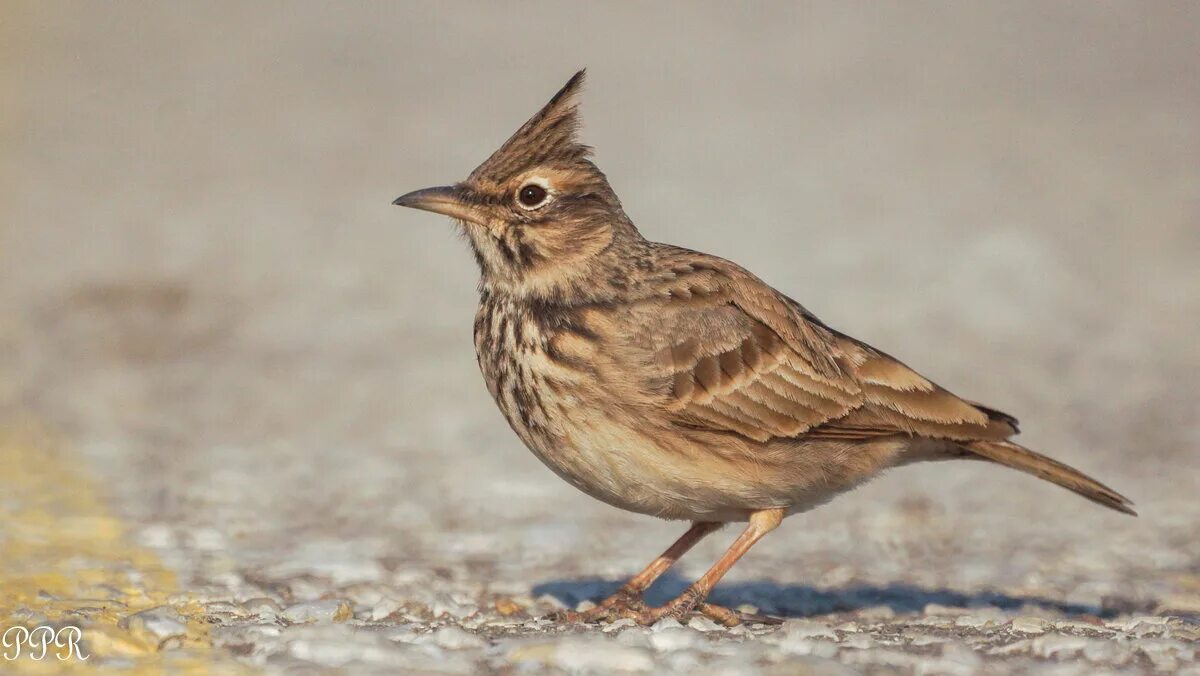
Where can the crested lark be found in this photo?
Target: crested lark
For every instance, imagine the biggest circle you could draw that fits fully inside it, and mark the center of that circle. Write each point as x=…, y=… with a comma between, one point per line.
x=675, y=383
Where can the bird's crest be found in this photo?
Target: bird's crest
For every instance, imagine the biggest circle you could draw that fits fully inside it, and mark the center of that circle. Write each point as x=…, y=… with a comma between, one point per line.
x=548, y=138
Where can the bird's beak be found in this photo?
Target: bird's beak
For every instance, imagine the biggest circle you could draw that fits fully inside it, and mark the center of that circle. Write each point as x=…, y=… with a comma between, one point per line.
x=448, y=200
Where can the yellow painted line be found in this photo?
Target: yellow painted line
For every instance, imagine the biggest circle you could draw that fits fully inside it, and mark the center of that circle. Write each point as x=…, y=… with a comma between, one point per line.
x=66, y=558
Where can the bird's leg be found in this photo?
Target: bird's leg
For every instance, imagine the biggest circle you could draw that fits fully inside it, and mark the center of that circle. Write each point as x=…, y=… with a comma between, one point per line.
x=761, y=523
x=627, y=600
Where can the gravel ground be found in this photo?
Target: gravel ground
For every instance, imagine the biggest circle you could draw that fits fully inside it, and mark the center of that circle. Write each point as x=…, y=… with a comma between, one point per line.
x=239, y=416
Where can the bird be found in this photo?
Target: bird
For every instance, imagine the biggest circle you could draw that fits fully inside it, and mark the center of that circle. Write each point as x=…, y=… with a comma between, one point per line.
x=677, y=384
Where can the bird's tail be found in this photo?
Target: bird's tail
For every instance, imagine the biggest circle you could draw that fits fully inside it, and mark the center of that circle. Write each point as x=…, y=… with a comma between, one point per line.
x=1020, y=458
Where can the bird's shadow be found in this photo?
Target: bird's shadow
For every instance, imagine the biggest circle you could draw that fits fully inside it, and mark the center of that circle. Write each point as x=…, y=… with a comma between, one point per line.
x=794, y=601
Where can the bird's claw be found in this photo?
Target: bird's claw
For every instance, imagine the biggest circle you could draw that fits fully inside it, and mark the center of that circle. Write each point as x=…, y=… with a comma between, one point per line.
x=627, y=604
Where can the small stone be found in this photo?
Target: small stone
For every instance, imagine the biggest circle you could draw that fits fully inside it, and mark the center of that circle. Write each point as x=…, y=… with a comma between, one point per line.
x=261, y=605
x=156, y=626
x=665, y=624
x=1029, y=625
x=973, y=621
x=701, y=623
x=223, y=609
x=508, y=607
x=384, y=609
x=1128, y=624
x=447, y=606
x=618, y=625
x=337, y=610
x=1148, y=626
x=584, y=606
x=940, y=621
x=1081, y=627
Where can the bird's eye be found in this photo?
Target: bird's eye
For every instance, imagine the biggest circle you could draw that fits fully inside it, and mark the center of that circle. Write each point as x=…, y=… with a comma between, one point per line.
x=532, y=195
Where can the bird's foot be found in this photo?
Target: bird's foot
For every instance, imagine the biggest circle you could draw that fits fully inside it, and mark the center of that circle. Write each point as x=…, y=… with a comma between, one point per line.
x=732, y=618
x=623, y=603
x=629, y=604
x=689, y=605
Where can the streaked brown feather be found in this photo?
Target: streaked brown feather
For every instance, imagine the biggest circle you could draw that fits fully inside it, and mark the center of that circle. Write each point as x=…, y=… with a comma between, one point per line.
x=787, y=374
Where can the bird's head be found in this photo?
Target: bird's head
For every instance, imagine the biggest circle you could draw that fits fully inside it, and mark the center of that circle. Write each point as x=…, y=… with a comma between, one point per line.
x=537, y=212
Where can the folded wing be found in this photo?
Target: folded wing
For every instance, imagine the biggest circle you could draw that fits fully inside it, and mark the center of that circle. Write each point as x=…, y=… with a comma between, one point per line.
x=755, y=363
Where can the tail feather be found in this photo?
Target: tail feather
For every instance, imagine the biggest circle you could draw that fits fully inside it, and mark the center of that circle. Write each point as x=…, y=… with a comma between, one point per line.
x=1020, y=458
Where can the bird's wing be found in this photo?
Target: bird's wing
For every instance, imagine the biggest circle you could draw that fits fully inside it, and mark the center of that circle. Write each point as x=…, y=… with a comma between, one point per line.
x=750, y=361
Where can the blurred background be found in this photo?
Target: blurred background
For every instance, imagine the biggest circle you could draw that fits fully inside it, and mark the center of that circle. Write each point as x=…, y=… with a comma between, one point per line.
x=267, y=369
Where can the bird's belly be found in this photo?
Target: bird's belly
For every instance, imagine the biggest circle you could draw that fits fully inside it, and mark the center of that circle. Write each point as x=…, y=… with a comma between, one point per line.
x=602, y=457
x=650, y=470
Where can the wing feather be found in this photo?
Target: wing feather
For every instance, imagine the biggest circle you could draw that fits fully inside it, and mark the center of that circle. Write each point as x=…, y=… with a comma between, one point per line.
x=755, y=363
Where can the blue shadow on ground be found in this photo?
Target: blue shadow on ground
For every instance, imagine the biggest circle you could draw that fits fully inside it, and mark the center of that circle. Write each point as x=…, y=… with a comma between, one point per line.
x=805, y=601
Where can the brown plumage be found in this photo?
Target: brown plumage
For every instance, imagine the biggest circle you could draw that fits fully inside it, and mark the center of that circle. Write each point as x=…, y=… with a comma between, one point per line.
x=675, y=383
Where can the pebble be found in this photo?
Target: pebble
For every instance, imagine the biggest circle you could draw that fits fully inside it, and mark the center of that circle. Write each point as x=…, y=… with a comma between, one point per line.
x=384, y=609
x=1029, y=625
x=225, y=610
x=919, y=640
x=618, y=625
x=158, y=626
x=1081, y=627
x=666, y=623
x=974, y=621
x=318, y=611
x=1131, y=623
x=446, y=605
x=701, y=623
x=261, y=605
